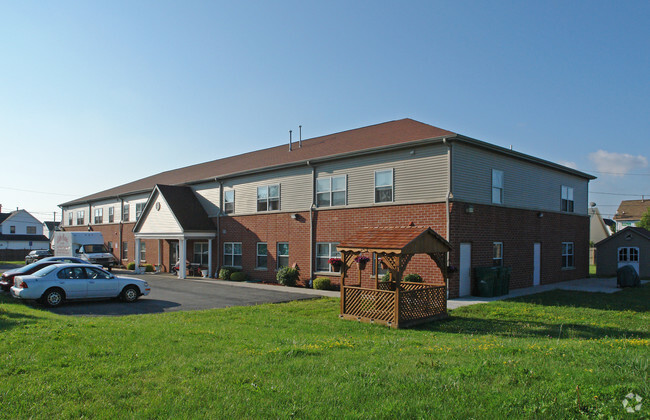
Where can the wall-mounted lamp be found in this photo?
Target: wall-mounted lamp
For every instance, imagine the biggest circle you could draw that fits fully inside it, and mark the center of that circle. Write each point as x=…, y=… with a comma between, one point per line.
x=294, y=216
x=540, y=214
x=469, y=209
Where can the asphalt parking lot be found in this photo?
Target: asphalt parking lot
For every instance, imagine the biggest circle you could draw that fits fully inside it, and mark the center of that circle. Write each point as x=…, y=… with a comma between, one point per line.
x=169, y=294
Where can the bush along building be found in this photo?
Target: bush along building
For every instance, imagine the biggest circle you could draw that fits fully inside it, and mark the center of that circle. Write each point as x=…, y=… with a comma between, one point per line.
x=291, y=205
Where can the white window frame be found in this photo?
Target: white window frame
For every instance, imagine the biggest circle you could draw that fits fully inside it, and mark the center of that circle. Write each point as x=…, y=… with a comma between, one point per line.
x=99, y=216
x=143, y=251
x=27, y=230
x=125, y=250
x=568, y=255
x=229, y=258
x=258, y=266
x=111, y=214
x=268, y=200
x=70, y=218
x=81, y=217
x=139, y=208
x=498, y=180
x=384, y=186
x=497, y=254
x=331, y=253
x=125, y=212
x=567, y=202
x=330, y=191
x=278, y=265
x=228, y=205
x=629, y=254
x=202, y=253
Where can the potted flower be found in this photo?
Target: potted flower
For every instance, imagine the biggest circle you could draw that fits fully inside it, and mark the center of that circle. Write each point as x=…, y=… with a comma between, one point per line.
x=336, y=264
x=204, y=272
x=362, y=260
x=383, y=264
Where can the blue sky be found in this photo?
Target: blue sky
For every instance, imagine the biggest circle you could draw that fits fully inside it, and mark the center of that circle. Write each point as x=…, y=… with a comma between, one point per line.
x=96, y=94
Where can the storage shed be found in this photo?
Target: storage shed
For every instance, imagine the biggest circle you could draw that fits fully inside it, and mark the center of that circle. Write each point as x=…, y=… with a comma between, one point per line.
x=629, y=246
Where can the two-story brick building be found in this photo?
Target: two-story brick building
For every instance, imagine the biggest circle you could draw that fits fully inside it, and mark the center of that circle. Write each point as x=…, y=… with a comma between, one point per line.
x=292, y=204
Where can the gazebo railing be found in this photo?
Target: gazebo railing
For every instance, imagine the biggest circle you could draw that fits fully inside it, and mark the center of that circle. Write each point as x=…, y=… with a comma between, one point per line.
x=390, y=285
x=368, y=304
x=422, y=303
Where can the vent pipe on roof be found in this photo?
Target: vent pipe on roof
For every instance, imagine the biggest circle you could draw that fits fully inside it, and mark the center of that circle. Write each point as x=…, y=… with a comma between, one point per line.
x=300, y=137
x=289, y=140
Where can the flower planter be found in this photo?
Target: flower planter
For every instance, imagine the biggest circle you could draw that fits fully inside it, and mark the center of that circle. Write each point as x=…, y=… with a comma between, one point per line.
x=204, y=273
x=336, y=268
x=362, y=265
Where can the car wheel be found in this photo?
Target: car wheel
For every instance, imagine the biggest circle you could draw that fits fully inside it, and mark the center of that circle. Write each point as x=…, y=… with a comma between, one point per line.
x=53, y=297
x=130, y=294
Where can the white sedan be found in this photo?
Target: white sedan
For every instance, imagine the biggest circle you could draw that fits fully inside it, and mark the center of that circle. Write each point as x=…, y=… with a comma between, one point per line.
x=56, y=283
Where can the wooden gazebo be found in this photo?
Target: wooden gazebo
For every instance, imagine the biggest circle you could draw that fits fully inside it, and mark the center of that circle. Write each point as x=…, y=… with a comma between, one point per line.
x=394, y=303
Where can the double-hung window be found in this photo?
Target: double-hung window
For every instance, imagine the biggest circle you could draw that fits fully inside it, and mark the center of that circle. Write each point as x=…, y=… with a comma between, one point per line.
x=99, y=216
x=497, y=186
x=139, y=207
x=125, y=250
x=80, y=217
x=229, y=201
x=12, y=229
x=262, y=256
x=232, y=254
x=568, y=255
x=497, y=254
x=567, y=199
x=143, y=251
x=283, y=254
x=268, y=197
x=111, y=214
x=331, y=191
x=325, y=251
x=384, y=186
x=125, y=213
x=30, y=230
x=70, y=215
x=200, y=253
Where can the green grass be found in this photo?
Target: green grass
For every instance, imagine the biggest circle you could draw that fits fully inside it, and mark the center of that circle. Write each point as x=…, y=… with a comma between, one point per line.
x=12, y=263
x=592, y=270
x=558, y=354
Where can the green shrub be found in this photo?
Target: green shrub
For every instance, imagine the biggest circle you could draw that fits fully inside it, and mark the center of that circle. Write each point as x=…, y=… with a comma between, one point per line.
x=413, y=278
x=322, y=283
x=227, y=271
x=288, y=276
x=238, y=276
x=385, y=277
x=148, y=268
x=130, y=266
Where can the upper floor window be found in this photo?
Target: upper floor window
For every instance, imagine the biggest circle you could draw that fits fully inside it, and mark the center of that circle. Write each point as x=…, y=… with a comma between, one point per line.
x=12, y=229
x=111, y=214
x=568, y=255
x=229, y=201
x=497, y=254
x=567, y=199
x=138, y=210
x=268, y=197
x=497, y=186
x=232, y=254
x=99, y=216
x=81, y=215
x=331, y=191
x=384, y=186
x=325, y=251
x=125, y=213
x=70, y=218
x=31, y=230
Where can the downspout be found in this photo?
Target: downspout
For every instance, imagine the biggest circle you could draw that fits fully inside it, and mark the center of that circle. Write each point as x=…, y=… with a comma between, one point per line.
x=447, y=210
x=119, y=259
x=311, y=220
x=219, y=227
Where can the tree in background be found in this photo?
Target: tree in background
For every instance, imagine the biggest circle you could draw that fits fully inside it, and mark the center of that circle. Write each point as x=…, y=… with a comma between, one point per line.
x=645, y=220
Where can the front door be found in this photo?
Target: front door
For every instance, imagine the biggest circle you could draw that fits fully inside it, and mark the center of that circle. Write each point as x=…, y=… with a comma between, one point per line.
x=465, y=288
x=537, y=263
x=629, y=256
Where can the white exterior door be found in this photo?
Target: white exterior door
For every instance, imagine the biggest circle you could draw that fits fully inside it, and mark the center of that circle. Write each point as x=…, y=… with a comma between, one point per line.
x=537, y=263
x=465, y=269
x=629, y=256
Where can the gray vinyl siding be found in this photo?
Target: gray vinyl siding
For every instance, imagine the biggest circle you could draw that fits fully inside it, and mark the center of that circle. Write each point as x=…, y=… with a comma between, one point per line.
x=419, y=175
x=74, y=211
x=208, y=195
x=295, y=189
x=526, y=185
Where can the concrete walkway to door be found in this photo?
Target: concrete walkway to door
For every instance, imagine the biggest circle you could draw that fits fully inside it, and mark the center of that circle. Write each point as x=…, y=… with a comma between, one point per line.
x=594, y=285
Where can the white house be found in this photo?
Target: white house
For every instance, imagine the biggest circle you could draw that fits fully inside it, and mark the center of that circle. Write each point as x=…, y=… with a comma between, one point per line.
x=21, y=230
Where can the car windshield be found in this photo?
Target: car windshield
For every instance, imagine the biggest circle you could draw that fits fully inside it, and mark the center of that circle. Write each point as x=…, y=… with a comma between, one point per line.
x=94, y=249
x=45, y=271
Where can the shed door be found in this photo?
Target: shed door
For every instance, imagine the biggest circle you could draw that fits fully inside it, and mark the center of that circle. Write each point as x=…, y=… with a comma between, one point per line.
x=465, y=269
x=628, y=256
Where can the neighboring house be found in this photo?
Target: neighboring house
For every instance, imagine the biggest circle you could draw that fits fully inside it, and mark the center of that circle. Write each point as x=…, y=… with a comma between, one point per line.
x=598, y=229
x=49, y=228
x=629, y=212
x=629, y=246
x=21, y=231
x=292, y=204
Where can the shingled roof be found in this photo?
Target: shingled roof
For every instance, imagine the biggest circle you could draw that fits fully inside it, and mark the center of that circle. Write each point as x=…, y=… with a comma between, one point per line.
x=396, y=240
x=632, y=210
x=374, y=136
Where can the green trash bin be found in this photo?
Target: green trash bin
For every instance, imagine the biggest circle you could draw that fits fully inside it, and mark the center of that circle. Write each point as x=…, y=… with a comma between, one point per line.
x=486, y=279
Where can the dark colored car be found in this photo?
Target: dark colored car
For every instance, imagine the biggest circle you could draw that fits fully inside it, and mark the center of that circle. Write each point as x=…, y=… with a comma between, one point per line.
x=7, y=279
x=37, y=254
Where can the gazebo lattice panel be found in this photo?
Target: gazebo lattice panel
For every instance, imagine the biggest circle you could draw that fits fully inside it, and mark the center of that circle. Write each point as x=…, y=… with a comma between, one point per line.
x=424, y=303
x=369, y=304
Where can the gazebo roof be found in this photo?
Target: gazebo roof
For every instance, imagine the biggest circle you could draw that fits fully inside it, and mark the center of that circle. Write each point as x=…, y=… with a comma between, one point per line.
x=396, y=240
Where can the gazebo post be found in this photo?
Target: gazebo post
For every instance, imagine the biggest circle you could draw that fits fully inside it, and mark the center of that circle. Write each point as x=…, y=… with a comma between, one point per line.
x=343, y=271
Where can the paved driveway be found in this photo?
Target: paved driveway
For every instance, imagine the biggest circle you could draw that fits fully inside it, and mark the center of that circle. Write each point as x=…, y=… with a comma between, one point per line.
x=171, y=294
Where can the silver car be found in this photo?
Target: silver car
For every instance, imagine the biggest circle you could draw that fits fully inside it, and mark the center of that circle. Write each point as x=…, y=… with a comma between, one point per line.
x=56, y=283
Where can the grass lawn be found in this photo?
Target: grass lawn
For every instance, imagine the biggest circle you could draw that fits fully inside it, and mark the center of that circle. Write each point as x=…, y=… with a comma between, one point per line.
x=592, y=270
x=21, y=263
x=558, y=354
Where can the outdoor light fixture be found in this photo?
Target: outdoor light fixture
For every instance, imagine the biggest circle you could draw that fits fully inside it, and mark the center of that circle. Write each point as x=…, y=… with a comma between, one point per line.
x=540, y=214
x=469, y=209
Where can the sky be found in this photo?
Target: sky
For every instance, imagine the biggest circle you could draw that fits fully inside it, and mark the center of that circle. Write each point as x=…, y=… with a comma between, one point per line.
x=97, y=94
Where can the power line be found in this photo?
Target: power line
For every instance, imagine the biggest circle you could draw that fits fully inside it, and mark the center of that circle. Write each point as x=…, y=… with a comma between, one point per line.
x=38, y=192
x=626, y=195
x=617, y=173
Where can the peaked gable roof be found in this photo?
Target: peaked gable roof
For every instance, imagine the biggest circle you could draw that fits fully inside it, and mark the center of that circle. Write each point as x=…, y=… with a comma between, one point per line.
x=630, y=229
x=398, y=240
x=632, y=209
